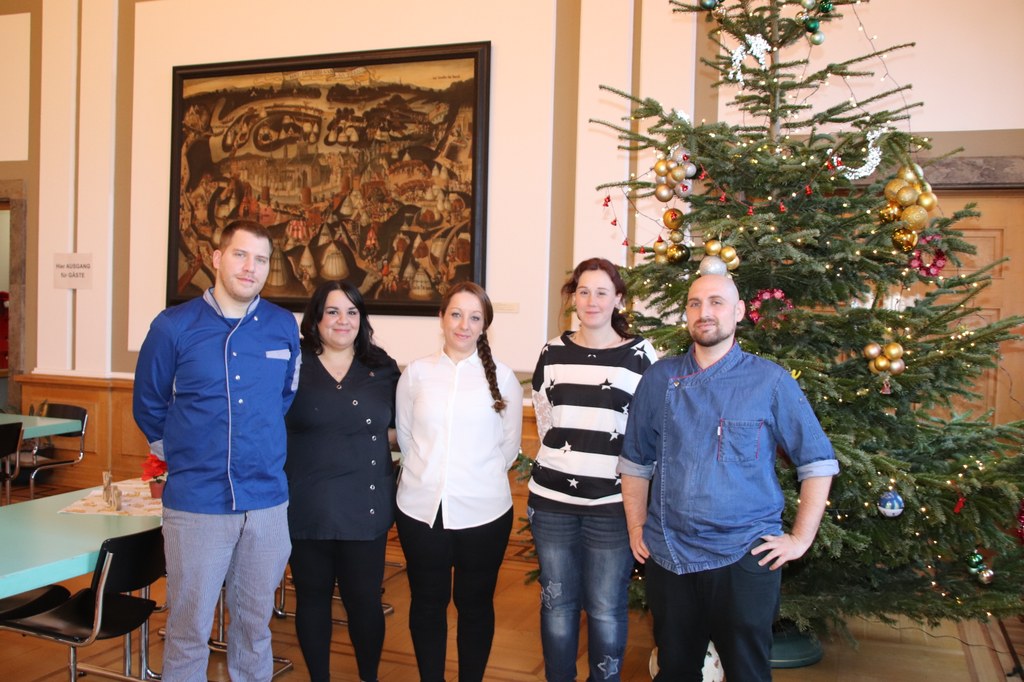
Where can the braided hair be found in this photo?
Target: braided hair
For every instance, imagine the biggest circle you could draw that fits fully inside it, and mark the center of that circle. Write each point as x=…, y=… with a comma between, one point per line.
x=483, y=348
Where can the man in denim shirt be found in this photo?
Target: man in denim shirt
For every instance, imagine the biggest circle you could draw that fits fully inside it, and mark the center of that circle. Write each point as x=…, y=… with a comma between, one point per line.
x=704, y=429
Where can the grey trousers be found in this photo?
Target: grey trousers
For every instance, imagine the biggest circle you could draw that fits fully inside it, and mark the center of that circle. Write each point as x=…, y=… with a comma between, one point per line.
x=246, y=553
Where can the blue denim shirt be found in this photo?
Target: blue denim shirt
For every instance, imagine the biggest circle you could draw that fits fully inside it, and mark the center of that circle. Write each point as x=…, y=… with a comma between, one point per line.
x=707, y=438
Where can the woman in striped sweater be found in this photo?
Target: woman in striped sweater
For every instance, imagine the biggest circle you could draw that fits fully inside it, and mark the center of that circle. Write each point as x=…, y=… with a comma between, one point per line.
x=582, y=389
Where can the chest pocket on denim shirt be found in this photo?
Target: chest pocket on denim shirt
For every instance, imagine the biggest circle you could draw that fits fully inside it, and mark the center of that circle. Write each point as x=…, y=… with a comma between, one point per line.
x=739, y=440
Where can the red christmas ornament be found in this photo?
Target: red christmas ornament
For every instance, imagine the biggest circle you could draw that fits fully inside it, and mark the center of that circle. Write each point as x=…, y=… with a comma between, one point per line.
x=1020, y=522
x=750, y=210
x=959, y=505
x=615, y=221
x=807, y=190
x=642, y=250
x=722, y=197
x=607, y=200
x=782, y=207
x=625, y=242
x=703, y=174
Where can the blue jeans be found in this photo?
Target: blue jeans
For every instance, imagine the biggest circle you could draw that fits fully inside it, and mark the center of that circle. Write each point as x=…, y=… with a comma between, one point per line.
x=585, y=564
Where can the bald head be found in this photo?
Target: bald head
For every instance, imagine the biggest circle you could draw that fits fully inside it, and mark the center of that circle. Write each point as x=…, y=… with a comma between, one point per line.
x=713, y=307
x=720, y=285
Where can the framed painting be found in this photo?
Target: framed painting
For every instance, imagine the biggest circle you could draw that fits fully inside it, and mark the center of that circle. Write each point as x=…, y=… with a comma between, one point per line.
x=368, y=167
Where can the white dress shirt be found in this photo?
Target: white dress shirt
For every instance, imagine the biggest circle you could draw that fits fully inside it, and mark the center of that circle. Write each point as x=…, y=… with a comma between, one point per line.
x=456, y=450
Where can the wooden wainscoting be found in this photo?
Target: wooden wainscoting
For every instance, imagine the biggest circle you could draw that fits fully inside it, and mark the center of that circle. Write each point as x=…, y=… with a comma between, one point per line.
x=112, y=441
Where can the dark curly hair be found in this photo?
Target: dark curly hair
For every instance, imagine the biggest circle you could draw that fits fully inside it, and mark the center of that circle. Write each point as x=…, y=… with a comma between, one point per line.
x=619, y=322
x=366, y=351
x=483, y=348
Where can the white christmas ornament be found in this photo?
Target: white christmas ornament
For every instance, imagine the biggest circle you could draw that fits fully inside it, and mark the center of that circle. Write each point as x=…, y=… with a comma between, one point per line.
x=870, y=163
x=758, y=48
x=712, y=265
x=711, y=672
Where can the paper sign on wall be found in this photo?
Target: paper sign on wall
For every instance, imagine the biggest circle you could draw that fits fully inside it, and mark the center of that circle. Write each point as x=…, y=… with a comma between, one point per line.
x=72, y=270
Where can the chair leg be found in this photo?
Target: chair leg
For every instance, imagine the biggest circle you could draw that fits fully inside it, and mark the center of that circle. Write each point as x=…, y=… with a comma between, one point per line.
x=126, y=655
x=73, y=663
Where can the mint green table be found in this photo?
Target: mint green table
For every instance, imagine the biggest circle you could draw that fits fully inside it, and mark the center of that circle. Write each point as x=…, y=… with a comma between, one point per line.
x=39, y=427
x=39, y=545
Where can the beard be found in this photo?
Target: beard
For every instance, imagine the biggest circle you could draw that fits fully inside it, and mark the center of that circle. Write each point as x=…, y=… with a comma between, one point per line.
x=709, y=333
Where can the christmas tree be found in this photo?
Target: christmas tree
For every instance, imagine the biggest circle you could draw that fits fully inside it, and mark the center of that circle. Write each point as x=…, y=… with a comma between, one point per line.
x=854, y=281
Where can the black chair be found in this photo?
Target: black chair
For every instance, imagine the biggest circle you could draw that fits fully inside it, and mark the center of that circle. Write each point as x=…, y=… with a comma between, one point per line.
x=34, y=462
x=10, y=464
x=103, y=610
x=34, y=601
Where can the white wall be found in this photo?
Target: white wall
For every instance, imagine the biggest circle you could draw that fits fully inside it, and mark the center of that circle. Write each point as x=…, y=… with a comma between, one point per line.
x=962, y=68
x=14, y=64
x=169, y=33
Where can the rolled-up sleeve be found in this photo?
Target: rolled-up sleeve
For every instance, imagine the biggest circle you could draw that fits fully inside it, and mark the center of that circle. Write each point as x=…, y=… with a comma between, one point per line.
x=643, y=430
x=800, y=434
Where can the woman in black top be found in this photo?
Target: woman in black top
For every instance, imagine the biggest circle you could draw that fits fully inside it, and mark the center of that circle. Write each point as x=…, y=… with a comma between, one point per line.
x=341, y=487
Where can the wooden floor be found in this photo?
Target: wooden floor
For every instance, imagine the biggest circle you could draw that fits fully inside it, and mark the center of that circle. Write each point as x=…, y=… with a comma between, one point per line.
x=963, y=652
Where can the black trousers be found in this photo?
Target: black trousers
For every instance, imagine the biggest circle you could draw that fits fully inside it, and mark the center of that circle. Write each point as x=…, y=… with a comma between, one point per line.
x=357, y=567
x=733, y=606
x=440, y=563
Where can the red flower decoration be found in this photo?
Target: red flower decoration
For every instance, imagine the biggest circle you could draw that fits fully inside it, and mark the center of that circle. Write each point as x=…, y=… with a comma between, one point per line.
x=768, y=306
x=928, y=268
x=154, y=468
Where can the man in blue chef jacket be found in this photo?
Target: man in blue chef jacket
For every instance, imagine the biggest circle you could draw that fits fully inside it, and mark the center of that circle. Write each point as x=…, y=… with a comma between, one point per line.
x=703, y=504
x=214, y=379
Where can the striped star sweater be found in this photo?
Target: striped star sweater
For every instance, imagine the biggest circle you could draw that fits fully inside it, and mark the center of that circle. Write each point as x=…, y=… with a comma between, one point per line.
x=581, y=397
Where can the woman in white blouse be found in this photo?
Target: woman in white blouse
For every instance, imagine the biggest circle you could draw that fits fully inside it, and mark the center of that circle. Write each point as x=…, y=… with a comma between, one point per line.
x=459, y=419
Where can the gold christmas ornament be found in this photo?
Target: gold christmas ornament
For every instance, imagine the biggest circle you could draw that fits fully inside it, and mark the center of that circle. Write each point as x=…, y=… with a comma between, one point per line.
x=911, y=173
x=881, y=363
x=893, y=187
x=677, y=253
x=661, y=167
x=663, y=192
x=733, y=264
x=904, y=239
x=927, y=201
x=676, y=236
x=872, y=350
x=915, y=217
x=907, y=196
x=672, y=218
x=897, y=366
x=712, y=247
x=677, y=174
x=891, y=213
x=893, y=351
x=660, y=247
x=660, y=258
x=727, y=253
